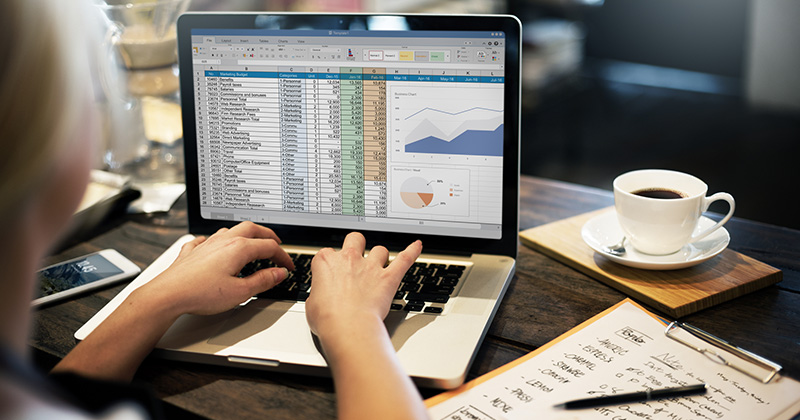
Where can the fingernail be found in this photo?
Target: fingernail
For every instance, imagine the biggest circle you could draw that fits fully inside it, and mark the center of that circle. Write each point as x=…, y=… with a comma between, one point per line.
x=284, y=276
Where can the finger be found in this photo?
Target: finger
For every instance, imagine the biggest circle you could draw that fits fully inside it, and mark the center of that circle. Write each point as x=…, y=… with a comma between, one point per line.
x=356, y=241
x=252, y=230
x=403, y=261
x=268, y=248
x=379, y=255
x=245, y=250
x=265, y=279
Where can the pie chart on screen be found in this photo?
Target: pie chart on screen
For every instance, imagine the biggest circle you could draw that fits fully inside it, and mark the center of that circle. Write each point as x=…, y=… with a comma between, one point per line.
x=416, y=193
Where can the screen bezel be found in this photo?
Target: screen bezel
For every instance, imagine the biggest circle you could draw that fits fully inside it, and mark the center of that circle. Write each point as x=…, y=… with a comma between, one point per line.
x=316, y=236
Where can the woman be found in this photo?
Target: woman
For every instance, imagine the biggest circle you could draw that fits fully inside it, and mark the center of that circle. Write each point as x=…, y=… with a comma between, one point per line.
x=47, y=128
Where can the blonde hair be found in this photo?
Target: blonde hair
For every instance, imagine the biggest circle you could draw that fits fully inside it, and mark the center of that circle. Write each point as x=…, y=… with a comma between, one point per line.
x=43, y=90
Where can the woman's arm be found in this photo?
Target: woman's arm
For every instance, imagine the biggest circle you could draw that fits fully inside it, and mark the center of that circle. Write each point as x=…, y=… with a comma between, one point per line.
x=350, y=297
x=202, y=280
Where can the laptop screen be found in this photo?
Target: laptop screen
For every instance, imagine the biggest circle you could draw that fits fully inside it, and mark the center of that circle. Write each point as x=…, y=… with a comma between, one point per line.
x=316, y=125
x=393, y=130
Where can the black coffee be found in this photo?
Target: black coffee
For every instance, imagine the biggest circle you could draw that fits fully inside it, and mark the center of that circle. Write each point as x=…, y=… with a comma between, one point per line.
x=661, y=193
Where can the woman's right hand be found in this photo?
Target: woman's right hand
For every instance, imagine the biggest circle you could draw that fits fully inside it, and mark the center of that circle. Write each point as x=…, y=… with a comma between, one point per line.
x=347, y=287
x=350, y=296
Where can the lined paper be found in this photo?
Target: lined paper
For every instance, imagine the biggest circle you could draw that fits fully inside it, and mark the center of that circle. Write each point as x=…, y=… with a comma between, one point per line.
x=622, y=350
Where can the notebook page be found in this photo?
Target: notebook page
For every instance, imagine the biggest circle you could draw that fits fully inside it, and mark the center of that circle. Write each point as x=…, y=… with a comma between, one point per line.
x=624, y=351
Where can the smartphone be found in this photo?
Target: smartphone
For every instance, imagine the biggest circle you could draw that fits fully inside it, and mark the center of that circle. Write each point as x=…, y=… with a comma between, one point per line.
x=82, y=274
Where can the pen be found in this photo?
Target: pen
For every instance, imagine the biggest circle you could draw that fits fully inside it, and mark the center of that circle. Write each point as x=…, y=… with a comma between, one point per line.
x=648, y=395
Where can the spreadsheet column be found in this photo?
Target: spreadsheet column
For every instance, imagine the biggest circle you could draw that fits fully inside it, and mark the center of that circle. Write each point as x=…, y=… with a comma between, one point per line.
x=294, y=139
x=374, y=141
x=330, y=106
x=352, y=114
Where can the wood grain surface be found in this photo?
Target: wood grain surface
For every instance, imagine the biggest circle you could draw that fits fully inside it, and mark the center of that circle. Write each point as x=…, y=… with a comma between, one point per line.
x=674, y=292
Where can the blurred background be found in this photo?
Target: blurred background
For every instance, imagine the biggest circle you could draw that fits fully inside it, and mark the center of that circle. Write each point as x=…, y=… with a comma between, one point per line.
x=707, y=87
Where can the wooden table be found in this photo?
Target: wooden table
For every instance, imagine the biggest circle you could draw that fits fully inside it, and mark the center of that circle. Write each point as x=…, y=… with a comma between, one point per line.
x=545, y=299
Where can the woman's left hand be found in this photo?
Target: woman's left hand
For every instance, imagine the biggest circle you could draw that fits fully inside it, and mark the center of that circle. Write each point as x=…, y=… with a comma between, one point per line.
x=203, y=279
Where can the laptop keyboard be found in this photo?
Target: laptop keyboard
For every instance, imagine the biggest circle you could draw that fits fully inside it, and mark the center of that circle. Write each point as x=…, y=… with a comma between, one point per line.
x=426, y=287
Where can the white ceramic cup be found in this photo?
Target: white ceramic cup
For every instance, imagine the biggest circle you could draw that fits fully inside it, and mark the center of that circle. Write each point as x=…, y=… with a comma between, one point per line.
x=661, y=226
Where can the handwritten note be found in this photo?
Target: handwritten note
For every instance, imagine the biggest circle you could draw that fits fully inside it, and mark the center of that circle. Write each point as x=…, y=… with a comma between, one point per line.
x=623, y=351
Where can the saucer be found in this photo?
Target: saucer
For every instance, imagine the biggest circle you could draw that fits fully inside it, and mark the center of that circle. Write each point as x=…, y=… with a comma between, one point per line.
x=604, y=229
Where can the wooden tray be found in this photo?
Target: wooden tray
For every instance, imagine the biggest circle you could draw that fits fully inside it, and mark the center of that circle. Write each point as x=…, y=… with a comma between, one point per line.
x=674, y=292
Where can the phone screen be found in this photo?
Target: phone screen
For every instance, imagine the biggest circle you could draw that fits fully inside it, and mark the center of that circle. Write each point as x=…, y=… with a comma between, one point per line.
x=75, y=273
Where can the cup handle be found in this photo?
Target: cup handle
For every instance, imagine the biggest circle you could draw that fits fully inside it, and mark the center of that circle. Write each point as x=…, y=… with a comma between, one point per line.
x=706, y=203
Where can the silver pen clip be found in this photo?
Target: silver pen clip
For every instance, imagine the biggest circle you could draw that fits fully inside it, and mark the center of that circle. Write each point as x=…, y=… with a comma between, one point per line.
x=769, y=366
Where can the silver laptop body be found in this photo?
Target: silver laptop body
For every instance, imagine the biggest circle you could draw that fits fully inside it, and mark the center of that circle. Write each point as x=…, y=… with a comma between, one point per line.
x=400, y=127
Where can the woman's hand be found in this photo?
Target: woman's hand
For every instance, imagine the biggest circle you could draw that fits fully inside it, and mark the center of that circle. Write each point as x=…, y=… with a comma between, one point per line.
x=347, y=287
x=203, y=279
x=350, y=297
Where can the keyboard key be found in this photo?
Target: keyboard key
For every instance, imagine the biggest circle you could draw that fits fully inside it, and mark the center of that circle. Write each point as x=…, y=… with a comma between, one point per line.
x=417, y=266
x=283, y=294
x=428, y=297
x=434, y=310
x=433, y=288
x=416, y=278
x=409, y=287
x=448, y=281
x=429, y=280
x=455, y=269
x=303, y=260
x=414, y=306
x=427, y=272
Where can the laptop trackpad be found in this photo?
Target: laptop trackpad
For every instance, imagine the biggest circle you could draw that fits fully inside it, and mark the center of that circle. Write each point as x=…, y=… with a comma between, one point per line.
x=266, y=324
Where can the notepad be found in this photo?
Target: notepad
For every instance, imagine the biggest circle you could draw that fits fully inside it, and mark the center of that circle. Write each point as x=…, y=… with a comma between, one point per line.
x=623, y=349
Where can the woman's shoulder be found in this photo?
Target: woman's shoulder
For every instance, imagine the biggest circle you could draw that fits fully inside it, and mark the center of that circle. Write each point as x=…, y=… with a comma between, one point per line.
x=19, y=403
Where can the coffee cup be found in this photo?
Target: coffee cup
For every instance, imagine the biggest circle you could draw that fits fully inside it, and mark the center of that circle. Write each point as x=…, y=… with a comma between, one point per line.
x=658, y=209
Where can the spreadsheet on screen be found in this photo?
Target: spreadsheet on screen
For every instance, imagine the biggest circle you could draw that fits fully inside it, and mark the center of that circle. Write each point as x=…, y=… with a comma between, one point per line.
x=371, y=130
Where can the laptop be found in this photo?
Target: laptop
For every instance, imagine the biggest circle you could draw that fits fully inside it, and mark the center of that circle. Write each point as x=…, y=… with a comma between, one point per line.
x=401, y=127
